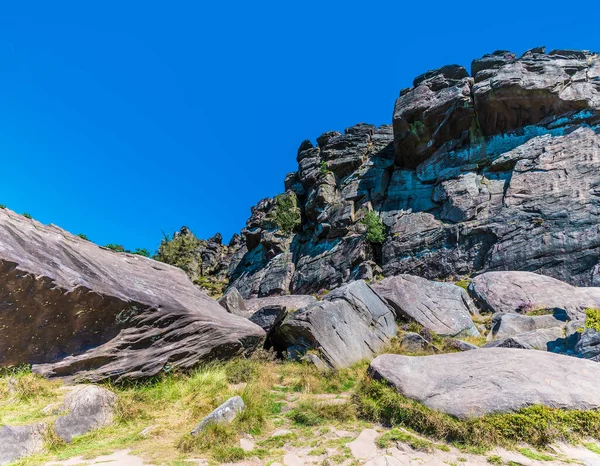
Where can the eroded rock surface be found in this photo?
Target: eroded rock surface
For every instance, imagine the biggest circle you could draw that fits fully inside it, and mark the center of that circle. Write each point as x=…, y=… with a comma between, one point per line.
x=350, y=324
x=19, y=441
x=442, y=307
x=492, y=380
x=85, y=408
x=496, y=170
x=526, y=292
x=72, y=308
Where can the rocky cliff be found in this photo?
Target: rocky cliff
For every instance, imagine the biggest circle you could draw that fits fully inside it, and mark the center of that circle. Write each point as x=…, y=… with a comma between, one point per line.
x=493, y=170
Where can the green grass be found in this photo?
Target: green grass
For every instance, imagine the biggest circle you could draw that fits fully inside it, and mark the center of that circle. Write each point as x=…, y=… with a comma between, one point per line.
x=27, y=215
x=592, y=447
x=396, y=435
x=464, y=284
x=535, y=455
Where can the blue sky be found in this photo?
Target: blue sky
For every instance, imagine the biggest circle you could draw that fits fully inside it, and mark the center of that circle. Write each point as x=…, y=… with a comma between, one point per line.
x=123, y=121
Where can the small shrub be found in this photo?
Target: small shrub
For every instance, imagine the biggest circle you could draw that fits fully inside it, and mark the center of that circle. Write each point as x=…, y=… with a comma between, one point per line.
x=2, y=206
x=287, y=214
x=82, y=236
x=592, y=319
x=115, y=247
x=182, y=250
x=323, y=168
x=141, y=252
x=375, y=228
x=26, y=215
x=241, y=370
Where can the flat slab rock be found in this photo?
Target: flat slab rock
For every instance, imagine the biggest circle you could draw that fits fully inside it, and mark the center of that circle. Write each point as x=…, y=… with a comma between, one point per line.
x=291, y=302
x=71, y=308
x=492, y=380
x=508, y=325
x=543, y=339
x=442, y=307
x=350, y=324
x=522, y=292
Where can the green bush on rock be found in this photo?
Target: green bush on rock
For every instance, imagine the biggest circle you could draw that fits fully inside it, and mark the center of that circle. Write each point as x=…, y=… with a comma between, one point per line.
x=287, y=214
x=375, y=228
x=592, y=319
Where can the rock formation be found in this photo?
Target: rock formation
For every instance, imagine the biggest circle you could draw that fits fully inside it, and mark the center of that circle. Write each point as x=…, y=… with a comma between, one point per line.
x=492, y=380
x=493, y=170
x=71, y=307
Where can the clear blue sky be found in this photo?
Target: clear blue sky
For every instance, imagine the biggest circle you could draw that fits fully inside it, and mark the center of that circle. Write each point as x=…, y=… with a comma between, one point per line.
x=125, y=119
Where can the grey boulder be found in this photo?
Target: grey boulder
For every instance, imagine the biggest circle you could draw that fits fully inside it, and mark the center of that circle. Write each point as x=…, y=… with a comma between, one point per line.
x=98, y=314
x=225, y=413
x=523, y=292
x=269, y=317
x=543, y=339
x=588, y=345
x=233, y=302
x=19, y=441
x=351, y=323
x=441, y=307
x=508, y=325
x=87, y=408
x=491, y=380
x=291, y=302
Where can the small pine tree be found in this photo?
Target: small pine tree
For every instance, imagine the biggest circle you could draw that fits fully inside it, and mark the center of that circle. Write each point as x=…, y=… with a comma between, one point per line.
x=375, y=228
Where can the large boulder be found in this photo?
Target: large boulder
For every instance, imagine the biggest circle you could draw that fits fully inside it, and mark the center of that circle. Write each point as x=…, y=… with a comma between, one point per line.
x=19, y=441
x=86, y=408
x=350, y=324
x=526, y=292
x=492, y=380
x=442, y=307
x=70, y=307
x=588, y=344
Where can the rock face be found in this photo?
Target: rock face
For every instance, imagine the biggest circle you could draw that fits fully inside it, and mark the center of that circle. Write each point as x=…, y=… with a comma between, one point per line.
x=524, y=292
x=72, y=308
x=442, y=307
x=491, y=380
x=19, y=441
x=496, y=170
x=588, y=345
x=87, y=408
x=351, y=323
x=508, y=325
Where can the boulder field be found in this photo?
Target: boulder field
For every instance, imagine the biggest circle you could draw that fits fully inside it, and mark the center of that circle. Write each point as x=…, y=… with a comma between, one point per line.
x=473, y=216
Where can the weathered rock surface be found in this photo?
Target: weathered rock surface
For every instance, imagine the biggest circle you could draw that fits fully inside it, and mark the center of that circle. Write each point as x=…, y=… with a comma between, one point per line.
x=225, y=413
x=588, y=345
x=233, y=302
x=523, y=292
x=442, y=307
x=269, y=316
x=494, y=171
x=543, y=339
x=508, y=325
x=72, y=308
x=414, y=343
x=350, y=324
x=19, y=441
x=86, y=408
x=289, y=302
x=492, y=380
